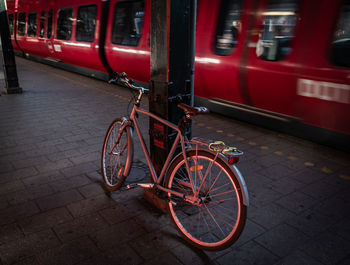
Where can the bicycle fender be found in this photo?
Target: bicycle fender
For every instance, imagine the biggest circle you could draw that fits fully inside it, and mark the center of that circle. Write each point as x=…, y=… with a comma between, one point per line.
x=242, y=184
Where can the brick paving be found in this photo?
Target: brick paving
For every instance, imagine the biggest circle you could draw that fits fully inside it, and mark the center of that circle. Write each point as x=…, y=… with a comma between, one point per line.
x=53, y=209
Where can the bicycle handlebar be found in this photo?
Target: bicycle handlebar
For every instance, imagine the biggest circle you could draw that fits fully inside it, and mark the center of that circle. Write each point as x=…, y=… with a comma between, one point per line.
x=127, y=81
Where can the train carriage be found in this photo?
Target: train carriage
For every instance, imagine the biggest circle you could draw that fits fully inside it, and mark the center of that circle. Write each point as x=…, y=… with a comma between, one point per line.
x=283, y=63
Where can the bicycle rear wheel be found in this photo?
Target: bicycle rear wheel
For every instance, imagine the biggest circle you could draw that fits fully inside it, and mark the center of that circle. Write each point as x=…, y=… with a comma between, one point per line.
x=117, y=153
x=216, y=218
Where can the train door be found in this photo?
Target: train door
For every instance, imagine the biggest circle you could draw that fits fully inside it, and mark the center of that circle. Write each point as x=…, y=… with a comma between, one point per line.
x=41, y=47
x=127, y=38
x=64, y=30
x=29, y=37
x=12, y=22
x=270, y=79
x=323, y=91
x=219, y=41
x=49, y=28
x=21, y=26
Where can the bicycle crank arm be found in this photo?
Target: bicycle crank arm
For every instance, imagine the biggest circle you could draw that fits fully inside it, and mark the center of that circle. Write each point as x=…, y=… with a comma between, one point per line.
x=187, y=198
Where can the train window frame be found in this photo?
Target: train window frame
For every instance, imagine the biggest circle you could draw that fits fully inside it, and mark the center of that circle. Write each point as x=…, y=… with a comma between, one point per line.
x=32, y=24
x=42, y=24
x=226, y=36
x=90, y=37
x=10, y=18
x=49, y=23
x=280, y=46
x=21, y=29
x=128, y=35
x=340, y=45
x=64, y=28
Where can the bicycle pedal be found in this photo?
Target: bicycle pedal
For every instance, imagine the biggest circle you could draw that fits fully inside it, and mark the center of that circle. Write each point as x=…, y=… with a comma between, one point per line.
x=146, y=185
x=141, y=185
x=131, y=186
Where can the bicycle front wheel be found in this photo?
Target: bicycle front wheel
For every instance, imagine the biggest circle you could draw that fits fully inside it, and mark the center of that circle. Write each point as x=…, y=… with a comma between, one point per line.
x=117, y=155
x=213, y=215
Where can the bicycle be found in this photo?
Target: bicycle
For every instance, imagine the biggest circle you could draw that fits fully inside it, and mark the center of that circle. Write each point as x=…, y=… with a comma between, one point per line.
x=206, y=195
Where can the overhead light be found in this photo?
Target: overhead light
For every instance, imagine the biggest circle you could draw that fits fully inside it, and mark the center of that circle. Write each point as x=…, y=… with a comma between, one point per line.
x=279, y=13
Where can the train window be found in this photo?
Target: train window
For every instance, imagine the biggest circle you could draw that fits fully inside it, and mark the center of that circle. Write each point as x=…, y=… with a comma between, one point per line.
x=21, y=24
x=229, y=27
x=31, y=29
x=42, y=24
x=340, y=53
x=86, y=22
x=11, y=23
x=49, y=24
x=127, y=22
x=279, y=21
x=64, y=23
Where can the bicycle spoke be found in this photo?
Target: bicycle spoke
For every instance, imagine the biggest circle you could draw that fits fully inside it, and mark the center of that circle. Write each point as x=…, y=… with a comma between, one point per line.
x=202, y=181
x=224, y=214
x=222, y=193
x=210, y=214
x=222, y=220
x=208, y=170
x=224, y=200
x=208, y=228
x=214, y=182
x=227, y=209
x=224, y=185
x=116, y=165
x=198, y=224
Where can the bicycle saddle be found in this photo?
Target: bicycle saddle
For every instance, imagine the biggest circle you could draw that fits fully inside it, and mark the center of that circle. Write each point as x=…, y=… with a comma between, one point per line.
x=192, y=110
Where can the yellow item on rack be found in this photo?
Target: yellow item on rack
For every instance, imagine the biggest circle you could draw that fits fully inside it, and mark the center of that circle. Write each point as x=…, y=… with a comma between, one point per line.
x=212, y=146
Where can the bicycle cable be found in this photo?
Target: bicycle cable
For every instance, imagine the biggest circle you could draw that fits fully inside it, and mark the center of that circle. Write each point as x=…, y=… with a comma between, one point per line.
x=131, y=100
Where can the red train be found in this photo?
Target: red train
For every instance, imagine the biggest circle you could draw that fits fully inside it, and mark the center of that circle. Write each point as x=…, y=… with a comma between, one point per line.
x=283, y=63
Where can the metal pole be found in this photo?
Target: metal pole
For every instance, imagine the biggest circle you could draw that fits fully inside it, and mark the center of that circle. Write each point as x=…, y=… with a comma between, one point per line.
x=172, y=69
x=193, y=17
x=8, y=56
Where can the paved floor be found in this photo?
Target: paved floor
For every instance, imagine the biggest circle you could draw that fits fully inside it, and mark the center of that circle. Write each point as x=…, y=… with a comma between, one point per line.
x=53, y=209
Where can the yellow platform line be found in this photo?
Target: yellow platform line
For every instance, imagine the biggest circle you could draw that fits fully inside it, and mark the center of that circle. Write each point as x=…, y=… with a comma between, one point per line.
x=345, y=177
x=326, y=170
x=309, y=164
x=279, y=153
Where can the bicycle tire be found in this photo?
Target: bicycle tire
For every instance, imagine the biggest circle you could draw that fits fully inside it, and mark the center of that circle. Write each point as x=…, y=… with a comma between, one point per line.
x=116, y=163
x=219, y=232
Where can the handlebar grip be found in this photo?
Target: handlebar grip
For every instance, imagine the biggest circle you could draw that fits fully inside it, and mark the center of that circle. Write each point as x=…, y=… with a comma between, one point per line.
x=113, y=80
x=127, y=81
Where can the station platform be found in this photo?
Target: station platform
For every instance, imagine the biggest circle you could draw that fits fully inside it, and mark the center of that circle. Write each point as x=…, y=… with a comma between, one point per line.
x=54, y=210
